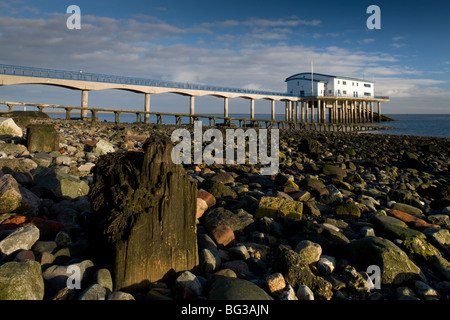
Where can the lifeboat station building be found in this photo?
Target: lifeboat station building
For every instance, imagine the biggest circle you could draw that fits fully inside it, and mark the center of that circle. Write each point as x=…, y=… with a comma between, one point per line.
x=332, y=98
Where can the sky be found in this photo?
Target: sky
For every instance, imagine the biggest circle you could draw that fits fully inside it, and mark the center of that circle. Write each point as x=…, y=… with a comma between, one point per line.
x=241, y=44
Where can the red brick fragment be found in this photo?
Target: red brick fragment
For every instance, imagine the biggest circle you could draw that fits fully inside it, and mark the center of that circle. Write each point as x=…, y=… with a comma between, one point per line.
x=222, y=235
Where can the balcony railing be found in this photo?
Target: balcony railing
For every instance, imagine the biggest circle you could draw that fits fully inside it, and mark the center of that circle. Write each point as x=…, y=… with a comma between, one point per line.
x=343, y=96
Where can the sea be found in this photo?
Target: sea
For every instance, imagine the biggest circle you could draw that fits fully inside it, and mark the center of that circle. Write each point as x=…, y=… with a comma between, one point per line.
x=425, y=125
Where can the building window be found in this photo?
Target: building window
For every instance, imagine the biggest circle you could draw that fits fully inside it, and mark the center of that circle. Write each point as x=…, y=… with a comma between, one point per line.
x=367, y=85
x=339, y=82
x=367, y=94
x=353, y=84
x=344, y=82
x=344, y=92
x=298, y=83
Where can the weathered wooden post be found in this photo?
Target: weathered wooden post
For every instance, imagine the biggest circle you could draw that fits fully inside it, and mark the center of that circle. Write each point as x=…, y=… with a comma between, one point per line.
x=143, y=222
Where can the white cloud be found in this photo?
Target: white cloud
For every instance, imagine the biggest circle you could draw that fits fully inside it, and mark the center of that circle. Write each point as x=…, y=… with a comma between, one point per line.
x=138, y=47
x=411, y=88
x=398, y=38
x=366, y=41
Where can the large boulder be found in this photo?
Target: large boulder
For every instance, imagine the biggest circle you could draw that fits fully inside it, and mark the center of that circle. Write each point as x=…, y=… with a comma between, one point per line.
x=218, y=189
x=17, y=199
x=308, y=145
x=296, y=271
x=331, y=170
x=103, y=147
x=16, y=165
x=12, y=148
x=57, y=276
x=42, y=138
x=21, y=281
x=21, y=238
x=393, y=228
x=221, y=216
x=329, y=239
x=274, y=207
x=348, y=210
x=60, y=184
x=226, y=288
x=396, y=267
x=9, y=128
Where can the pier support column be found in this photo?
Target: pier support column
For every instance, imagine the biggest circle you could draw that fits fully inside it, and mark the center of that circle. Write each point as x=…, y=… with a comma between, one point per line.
x=312, y=111
x=225, y=107
x=334, y=111
x=359, y=112
x=84, y=104
x=273, y=109
x=330, y=112
x=292, y=104
x=379, y=111
x=367, y=111
x=352, y=111
x=147, y=108
x=192, y=108
x=306, y=111
x=252, y=108
x=319, y=111
x=349, y=108
x=303, y=111
x=286, y=111
x=347, y=111
x=344, y=111
x=371, y=111
x=297, y=115
x=364, y=104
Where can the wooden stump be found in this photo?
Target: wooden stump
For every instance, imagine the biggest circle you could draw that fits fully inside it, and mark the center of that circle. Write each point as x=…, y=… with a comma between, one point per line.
x=144, y=215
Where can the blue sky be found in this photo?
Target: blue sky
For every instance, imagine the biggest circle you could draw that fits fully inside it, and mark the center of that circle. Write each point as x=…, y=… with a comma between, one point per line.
x=247, y=44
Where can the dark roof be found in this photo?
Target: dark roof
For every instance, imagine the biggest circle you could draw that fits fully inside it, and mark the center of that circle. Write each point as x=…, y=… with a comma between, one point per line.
x=296, y=76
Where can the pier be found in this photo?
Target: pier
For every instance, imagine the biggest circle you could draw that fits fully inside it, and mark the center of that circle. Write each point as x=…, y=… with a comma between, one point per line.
x=315, y=111
x=212, y=120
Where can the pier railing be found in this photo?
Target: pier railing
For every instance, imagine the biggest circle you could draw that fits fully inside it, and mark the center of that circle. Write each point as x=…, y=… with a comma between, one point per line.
x=144, y=117
x=96, y=77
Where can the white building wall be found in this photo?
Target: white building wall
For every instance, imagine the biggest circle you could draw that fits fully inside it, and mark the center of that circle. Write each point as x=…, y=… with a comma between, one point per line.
x=298, y=86
x=330, y=86
x=352, y=88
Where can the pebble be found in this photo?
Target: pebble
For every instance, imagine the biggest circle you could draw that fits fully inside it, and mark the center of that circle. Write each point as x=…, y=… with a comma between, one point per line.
x=20, y=238
x=275, y=282
x=335, y=182
x=304, y=293
x=326, y=264
x=188, y=280
x=309, y=250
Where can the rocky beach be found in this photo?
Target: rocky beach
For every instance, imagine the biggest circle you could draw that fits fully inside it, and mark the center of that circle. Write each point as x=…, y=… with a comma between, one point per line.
x=342, y=207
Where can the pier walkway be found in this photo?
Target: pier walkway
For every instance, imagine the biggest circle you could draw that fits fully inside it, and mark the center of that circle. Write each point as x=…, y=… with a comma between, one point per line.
x=316, y=109
x=212, y=120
